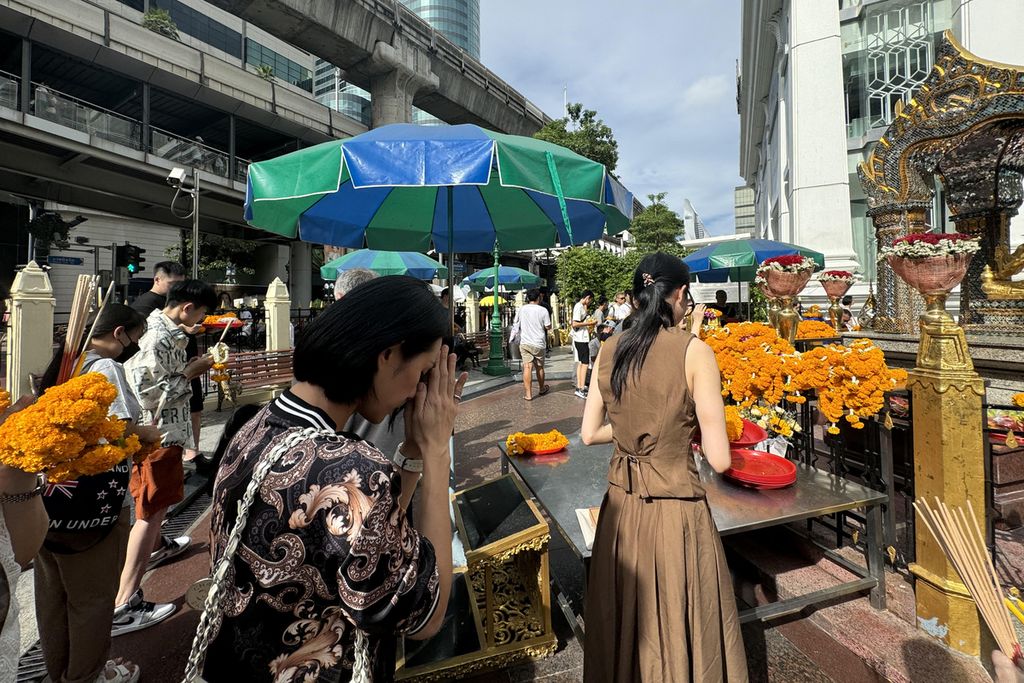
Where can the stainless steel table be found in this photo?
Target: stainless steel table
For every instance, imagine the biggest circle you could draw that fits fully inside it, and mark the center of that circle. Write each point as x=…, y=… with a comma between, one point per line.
x=577, y=478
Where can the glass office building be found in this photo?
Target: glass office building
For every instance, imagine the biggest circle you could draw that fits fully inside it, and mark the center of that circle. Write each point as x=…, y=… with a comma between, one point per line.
x=332, y=90
x=888, y=51
x=456, y=20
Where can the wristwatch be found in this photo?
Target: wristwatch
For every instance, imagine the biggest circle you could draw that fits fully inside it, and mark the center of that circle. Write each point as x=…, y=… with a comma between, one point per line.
x=27, y=495
x=404, y=463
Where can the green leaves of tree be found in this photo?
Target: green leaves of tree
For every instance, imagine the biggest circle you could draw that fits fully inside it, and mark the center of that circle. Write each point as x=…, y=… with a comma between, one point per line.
x=584, y=133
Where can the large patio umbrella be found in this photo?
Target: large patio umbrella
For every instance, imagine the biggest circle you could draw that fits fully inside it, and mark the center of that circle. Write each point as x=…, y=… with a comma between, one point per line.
x=412, y=263
x=738, y=260
x=454, y=188
x=509, y=279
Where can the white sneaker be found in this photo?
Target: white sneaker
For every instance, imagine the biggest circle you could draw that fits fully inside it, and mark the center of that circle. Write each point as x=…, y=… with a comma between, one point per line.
x=580, y=393
x=170, y=547
x=138, y=614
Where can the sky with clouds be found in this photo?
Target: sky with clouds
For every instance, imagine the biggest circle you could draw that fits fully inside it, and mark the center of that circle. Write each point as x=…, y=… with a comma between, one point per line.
x=661, y=73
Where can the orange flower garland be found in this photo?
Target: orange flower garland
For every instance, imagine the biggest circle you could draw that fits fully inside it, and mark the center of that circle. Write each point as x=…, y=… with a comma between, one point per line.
x=67, y=432
x=751, y=360
x=519, y=443
x=733, y=423
x=1018, y=400
x=5, y=400
x=814, y=329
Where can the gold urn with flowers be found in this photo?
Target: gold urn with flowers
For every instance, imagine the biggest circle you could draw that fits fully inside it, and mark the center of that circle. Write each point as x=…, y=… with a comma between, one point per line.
x=784, y=278
x=836, y=284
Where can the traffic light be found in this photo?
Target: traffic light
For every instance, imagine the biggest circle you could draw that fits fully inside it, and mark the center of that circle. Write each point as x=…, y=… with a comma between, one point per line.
x=134, y=259
x=120, y=256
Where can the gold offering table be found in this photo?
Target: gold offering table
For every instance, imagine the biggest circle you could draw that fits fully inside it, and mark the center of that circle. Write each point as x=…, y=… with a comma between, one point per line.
x=500, y=610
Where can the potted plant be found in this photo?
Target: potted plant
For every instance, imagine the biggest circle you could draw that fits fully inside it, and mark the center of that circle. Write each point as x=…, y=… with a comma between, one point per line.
x=836, y=284
x=784, y=278
x=159, y=21
x=933, y=264
x=265, y=71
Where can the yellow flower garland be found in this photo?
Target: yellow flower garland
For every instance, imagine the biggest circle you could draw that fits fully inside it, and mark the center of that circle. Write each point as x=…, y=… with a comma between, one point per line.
x=67, y=432
x=1018, y=400
x=814, y=329
x=733, y=423
x=519, y=443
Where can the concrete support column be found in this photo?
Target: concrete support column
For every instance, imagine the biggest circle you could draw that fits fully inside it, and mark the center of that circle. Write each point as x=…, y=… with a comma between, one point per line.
x=146, y=125
x=30, y=339
x=472, y=312
x=819, y=196
x=301, y=278
x=25, y=94
x=400, y=72
x=278, y=308
x=556, y=318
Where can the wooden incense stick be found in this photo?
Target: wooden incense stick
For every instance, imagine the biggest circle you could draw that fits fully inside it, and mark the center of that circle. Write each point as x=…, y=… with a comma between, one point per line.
x=85, y=342
x=959, y=536
x=81, y=304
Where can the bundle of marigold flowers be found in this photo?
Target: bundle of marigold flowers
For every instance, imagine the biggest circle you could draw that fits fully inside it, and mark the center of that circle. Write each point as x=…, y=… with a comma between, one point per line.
x=814, y=329
x=519, y=443
x=5, y=400
x=67, y=433
x=752, y=359
x=1018, y=400
x=733, y=423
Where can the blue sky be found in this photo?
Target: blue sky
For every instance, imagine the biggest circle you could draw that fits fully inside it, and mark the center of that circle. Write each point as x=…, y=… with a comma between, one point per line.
x=662, y=74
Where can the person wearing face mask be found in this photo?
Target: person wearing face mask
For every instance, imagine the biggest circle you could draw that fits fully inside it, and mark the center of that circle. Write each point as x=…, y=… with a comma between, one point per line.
x=76, y=571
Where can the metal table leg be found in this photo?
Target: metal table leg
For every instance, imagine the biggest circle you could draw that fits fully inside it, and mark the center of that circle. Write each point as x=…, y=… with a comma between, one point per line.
x=876, y=566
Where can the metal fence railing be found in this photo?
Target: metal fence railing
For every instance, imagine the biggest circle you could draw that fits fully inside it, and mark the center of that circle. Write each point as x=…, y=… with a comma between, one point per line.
x=9, y=90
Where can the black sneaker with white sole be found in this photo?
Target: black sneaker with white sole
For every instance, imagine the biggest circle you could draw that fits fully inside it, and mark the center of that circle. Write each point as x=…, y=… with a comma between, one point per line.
x=138, y=614
x=169, y=547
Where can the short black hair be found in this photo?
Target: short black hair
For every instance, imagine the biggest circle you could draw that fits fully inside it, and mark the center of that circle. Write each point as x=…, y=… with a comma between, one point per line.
x=586, y=293
x=847, y=300
x=533, y=294
x=338, y=351
x=194, y=292
x=602, y=301
x=172, y=268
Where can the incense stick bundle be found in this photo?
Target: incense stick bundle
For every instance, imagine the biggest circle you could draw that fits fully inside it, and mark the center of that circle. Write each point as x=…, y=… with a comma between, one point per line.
x=963, y=543
x=80, y=359
x=81, y=304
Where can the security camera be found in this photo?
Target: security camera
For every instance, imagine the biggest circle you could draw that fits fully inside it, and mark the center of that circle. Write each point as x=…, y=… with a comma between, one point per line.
x=176, y=177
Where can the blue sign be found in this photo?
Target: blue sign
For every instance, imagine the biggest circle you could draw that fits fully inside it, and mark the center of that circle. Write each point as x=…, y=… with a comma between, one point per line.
x=65, y=261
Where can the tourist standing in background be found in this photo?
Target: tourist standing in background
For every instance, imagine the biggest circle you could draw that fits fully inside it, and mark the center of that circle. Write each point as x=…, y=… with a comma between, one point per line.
x=533, y=321
x=581, y=340
x=660, y=603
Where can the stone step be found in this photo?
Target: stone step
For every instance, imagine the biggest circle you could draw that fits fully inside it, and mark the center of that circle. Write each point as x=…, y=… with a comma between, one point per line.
x=848, y=639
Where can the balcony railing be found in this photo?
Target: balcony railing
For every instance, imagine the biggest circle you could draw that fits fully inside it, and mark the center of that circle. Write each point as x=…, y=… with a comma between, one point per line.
x=74, y=113
x=9, y=90
x=191, y=153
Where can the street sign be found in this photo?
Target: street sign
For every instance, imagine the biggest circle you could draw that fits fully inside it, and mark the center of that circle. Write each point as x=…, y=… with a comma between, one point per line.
x=65, y=261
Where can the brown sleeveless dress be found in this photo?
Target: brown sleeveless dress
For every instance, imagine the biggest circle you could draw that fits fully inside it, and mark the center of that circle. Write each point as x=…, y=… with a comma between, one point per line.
x=660, y=605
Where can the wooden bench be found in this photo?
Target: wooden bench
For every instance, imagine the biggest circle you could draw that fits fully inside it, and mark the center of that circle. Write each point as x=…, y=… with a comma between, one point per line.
x=479, y=342
x=251, y=370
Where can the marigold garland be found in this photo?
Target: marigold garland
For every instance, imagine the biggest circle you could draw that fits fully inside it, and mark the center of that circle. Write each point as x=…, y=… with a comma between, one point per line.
x=814, y=329
x=519, y=443
x=759, y=370
x=67, y=432
x=5, y=400
x=1018, y=400
x=733, y=423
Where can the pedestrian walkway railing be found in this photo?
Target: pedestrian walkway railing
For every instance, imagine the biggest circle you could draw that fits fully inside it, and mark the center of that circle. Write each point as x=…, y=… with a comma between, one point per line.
x=77, y=114
x=9, y=89
x=96, y=121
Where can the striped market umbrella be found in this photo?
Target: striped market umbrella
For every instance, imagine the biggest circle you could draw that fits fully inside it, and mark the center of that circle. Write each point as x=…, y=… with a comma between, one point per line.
x=412, y=263
x=738, y=260
x=509, y=279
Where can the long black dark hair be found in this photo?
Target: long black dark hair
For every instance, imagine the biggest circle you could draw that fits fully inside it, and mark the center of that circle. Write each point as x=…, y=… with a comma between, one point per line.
x=657, y=276
x=338, y=351
x=110, y=318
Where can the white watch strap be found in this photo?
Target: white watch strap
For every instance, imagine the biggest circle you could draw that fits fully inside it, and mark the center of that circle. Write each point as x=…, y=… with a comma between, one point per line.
x=404, y=463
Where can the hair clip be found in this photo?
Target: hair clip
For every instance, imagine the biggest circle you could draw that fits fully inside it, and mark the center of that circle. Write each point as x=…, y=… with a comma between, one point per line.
x=648, y=280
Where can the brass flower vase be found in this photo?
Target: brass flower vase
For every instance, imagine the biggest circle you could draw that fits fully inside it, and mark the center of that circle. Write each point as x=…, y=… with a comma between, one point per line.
x=934, y=277
x=835, y=290
x=785, y=286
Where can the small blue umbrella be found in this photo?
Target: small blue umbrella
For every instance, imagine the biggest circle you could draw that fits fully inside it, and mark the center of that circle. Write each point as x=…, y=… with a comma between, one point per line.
x=509, y=278
x=412, y=263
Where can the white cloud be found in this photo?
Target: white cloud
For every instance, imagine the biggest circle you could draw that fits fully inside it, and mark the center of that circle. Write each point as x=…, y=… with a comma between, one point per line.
x=660, y=74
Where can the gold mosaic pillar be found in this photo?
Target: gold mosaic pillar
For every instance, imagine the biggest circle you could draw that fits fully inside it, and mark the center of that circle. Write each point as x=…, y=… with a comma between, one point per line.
x=948, y=464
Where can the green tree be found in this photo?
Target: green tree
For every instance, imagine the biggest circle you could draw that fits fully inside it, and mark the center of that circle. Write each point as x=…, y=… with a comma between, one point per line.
x=216, y=253
x=582, y=268
x=657, y=228
x=584, y=133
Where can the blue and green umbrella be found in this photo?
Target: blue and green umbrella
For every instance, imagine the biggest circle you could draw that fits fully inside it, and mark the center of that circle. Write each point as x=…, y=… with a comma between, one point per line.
x=737, y=260
x=509, y=279
x=412, y=263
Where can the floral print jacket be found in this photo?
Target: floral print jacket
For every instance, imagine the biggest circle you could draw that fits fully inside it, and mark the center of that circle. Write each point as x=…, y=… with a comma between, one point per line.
x=326, y=548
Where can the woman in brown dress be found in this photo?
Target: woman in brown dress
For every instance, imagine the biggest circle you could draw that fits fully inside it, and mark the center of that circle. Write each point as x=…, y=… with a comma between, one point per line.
x=660, y=604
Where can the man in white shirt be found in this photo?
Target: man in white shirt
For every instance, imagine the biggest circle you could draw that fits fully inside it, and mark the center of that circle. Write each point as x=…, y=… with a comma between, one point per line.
x=533, y=321
x=581, y=340
x=621, y=308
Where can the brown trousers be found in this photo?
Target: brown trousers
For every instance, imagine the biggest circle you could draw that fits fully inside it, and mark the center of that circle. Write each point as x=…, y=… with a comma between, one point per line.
x=75, y=605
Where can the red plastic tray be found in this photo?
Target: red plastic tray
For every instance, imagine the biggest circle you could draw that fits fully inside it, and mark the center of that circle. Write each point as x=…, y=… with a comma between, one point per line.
x=547, y=451
x=760, y=468
x=751, y=436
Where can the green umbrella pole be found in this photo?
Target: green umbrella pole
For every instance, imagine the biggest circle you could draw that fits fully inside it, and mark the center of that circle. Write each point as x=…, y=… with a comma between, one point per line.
x=496, y=361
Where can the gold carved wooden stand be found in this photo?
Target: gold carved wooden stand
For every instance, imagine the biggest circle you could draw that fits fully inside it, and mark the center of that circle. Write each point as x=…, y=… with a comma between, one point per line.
x=500, y=610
